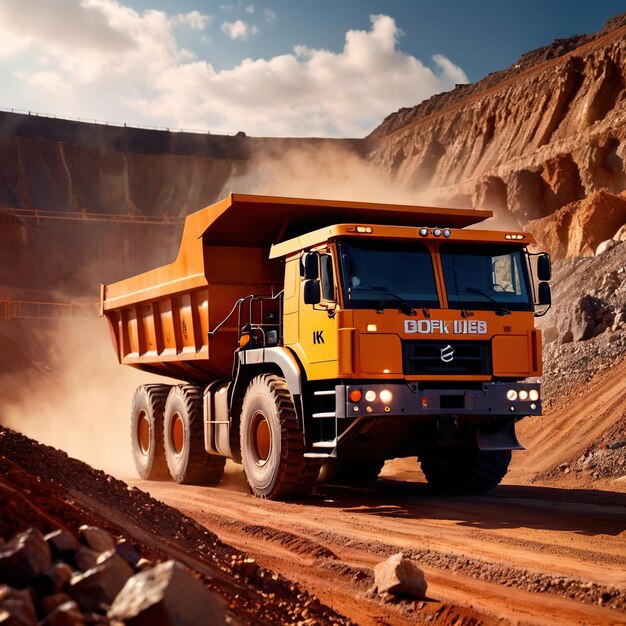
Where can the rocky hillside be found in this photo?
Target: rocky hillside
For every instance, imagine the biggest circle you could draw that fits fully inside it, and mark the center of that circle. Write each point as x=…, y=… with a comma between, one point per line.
x=545, y=133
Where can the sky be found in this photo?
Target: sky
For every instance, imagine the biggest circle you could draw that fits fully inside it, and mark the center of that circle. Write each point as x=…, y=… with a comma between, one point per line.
x=325, y=68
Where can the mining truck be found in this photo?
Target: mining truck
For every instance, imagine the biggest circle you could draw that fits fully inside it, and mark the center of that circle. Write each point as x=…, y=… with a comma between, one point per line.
x=315, y=339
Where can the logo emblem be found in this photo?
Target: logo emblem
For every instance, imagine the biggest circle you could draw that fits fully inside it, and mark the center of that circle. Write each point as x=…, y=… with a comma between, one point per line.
x=447, y=354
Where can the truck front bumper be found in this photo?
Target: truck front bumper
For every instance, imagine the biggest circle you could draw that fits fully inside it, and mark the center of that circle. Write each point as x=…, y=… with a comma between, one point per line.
x=493, y=399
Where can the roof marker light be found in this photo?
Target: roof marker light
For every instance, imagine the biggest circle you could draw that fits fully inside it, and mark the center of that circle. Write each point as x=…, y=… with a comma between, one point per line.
x=364, y=229
x=447, y=232
x=437, y=232
x=423, y=232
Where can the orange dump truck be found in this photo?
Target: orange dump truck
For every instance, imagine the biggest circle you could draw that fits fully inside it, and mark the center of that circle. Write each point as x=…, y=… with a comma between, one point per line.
x=324, y=335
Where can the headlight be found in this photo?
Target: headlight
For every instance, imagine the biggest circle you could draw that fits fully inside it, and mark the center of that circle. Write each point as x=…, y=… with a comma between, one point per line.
x=511, y=395
x=523, y=394
x=534, y=395
x=370, y=395
x=386, y=396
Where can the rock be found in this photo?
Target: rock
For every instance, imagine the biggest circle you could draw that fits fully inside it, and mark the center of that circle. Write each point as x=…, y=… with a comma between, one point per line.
x=400, y=576
x=67, y=614
x=62, y=574
x=620, y=320
x=585, y=321
x=24, y=558
x=153, y=596
x=550, y=334
x=62, y=543
x=47, y=604
x=126, y=550
x=99, y=585
x=86, y=558
x=96, y=538
x=620, y=235
x=16, y=607
x=113, y=559
x=567, y=337
x=605, y=246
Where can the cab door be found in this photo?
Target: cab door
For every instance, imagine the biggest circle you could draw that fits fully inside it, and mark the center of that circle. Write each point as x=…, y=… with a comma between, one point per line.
x=317, y=323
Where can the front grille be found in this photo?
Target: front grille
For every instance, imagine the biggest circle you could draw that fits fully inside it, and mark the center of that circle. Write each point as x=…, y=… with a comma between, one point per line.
x=447, y=357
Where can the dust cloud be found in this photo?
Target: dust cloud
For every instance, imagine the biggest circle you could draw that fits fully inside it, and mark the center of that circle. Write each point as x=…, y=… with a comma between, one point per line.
x=324, y=171
x=76, y=397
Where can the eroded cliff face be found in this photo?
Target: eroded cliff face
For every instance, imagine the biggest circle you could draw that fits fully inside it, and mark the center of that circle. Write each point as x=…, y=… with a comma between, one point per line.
x=527, y=141
x=70, y=169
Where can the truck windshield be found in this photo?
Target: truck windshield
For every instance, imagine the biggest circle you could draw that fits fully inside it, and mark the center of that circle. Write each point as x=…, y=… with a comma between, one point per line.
x=492, y=277
x=386, y=274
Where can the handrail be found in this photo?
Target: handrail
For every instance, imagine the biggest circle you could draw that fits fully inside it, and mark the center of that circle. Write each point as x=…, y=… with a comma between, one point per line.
x=86, y=216
x=32, y=309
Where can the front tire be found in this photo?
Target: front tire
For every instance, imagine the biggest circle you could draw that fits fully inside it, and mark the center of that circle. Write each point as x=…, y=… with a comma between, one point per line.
x=272, y=443
x=464, y=470
x=187, y=460
x=146, y=431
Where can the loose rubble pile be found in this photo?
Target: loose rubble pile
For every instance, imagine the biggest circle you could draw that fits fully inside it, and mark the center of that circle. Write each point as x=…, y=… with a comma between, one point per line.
x=125, y=572
x=63, y=580
x=585, y=332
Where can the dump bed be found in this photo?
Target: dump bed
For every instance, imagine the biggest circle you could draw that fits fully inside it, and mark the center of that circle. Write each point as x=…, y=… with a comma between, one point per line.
x=161, y=320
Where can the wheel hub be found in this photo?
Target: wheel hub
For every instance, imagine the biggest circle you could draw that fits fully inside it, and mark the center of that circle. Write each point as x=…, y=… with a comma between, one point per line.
x=143, y=433
x=261, y=438
x=177, y=434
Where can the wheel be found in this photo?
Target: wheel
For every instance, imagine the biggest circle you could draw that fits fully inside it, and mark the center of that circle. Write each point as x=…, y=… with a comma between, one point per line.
x=272, y=444
x=351, y=472
x=183, y=432
x=464, y=470
x=146, y=431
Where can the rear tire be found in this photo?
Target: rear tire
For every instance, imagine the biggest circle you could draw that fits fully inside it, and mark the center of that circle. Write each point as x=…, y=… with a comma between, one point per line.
x=187, y=460
x=272, y=444
x=146, y=431
x=464, y=470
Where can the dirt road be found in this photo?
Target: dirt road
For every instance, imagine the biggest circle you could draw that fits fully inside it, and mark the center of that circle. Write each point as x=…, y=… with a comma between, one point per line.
x=524, y=553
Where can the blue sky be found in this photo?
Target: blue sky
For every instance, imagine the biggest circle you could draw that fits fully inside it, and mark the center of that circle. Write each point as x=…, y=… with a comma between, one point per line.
x=275, y=67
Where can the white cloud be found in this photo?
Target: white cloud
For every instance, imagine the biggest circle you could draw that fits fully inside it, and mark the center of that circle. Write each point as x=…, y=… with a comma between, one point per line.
x=101, y=59
x=250, y=8
x=270, y=15
x=239, y=29
x=193, y=19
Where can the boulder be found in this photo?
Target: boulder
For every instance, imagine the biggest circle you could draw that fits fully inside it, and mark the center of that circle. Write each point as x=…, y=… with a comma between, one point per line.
x=154, y=596
x=606, y=245
x=99, y=585
x=586, y=317
x=47, y=604
x=86, y=558
x=66, y=614
x=126, y=550
x=24, y=558
x=16, y=607
x=401, y=577
x=96, y=538
x=62, y=543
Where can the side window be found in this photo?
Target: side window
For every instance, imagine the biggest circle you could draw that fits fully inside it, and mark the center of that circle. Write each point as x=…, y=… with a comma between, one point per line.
x=328, y=282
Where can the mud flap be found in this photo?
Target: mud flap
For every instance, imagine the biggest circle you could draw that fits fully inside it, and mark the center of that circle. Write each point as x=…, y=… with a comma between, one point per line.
x=503, y=439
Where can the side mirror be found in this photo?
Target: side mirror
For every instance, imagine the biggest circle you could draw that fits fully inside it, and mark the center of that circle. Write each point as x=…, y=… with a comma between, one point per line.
x=312, y=293
x=545, y=294
x=310, y=263
x=544, y=271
